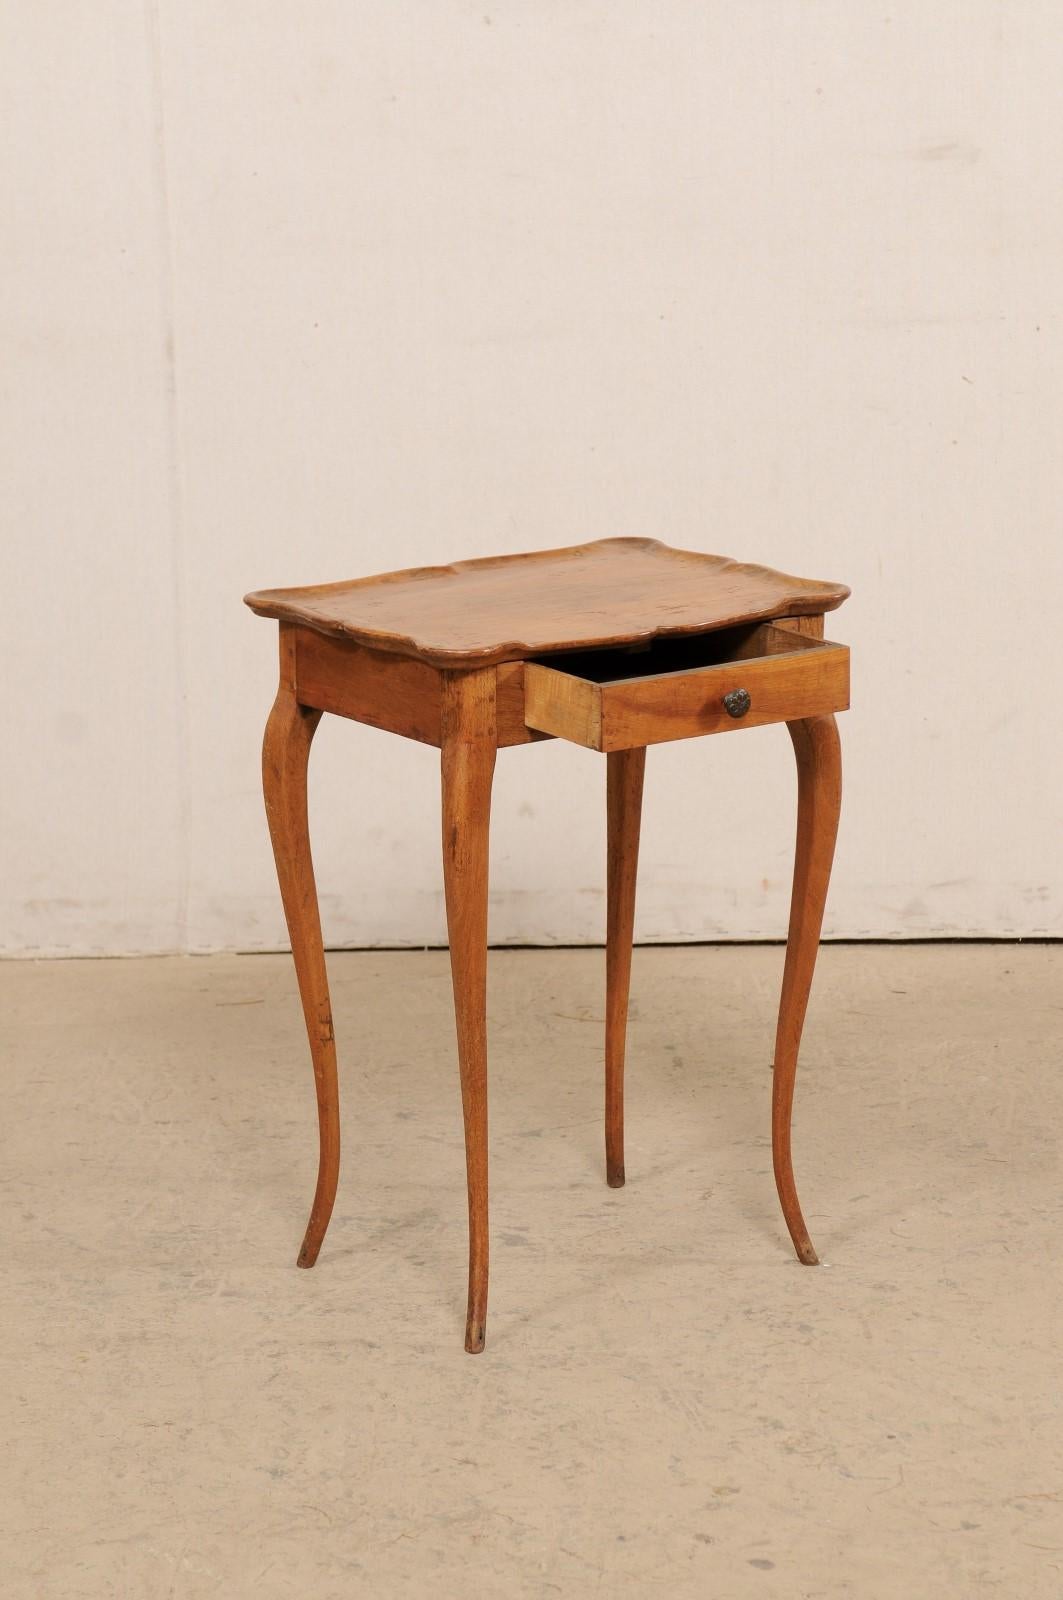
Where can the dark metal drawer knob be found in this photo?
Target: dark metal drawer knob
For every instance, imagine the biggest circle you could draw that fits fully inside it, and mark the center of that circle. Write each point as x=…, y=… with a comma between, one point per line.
x=737, y=703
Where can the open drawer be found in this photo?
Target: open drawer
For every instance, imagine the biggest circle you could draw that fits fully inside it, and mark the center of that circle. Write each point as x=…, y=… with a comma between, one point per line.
x=678, y=688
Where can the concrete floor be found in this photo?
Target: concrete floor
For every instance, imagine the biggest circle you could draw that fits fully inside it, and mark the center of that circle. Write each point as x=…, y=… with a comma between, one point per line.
x=669, y=1405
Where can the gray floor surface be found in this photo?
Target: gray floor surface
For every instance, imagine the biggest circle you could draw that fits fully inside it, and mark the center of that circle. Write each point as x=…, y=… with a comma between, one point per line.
x=668, y=1405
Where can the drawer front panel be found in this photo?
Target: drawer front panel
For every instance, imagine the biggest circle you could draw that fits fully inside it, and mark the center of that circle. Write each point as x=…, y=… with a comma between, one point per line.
x=812, y=680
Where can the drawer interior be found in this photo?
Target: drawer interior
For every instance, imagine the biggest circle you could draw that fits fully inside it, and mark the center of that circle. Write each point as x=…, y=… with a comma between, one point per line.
x=680, y=653
x=680, y=687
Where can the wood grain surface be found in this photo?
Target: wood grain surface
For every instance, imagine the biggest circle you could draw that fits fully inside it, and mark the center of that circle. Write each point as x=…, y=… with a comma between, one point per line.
x=625, y=772
x=285, y=753
x=467, y=765
x=787, y=676
x=503, y=608
x=637, y=643
x=819, y=797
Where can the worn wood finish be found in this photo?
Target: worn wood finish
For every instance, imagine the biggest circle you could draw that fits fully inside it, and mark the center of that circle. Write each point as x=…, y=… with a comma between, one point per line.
x=505, y=608
x=787, y=676
x=637, y=643
x=285, y=752
x=812, y=627
x=562, y=704
x=391, y=692
x=512, y=728
x=397, y=693
x=468, y=764
x=782, y=638
x=819, y=792
x=624, y=777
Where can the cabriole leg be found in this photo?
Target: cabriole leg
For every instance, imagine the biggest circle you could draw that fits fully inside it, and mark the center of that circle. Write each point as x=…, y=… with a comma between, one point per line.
x=468, y=764
x=285, y=752
x=818, y=753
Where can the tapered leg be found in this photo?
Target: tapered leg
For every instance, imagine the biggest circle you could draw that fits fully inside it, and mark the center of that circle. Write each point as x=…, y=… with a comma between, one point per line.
x=468, y=764
x=819, y=790
x=285, y=750
x=624, y=774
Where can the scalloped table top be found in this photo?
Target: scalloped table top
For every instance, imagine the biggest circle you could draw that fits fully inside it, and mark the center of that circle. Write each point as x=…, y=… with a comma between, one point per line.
x=505, y=608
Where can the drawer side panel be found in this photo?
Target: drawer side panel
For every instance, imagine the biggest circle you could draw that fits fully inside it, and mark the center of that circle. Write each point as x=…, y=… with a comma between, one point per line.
x=395, y=693
x=555, y=702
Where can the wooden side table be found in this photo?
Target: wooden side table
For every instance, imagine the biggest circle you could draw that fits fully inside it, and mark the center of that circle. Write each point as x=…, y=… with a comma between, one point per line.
x=615, y=645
